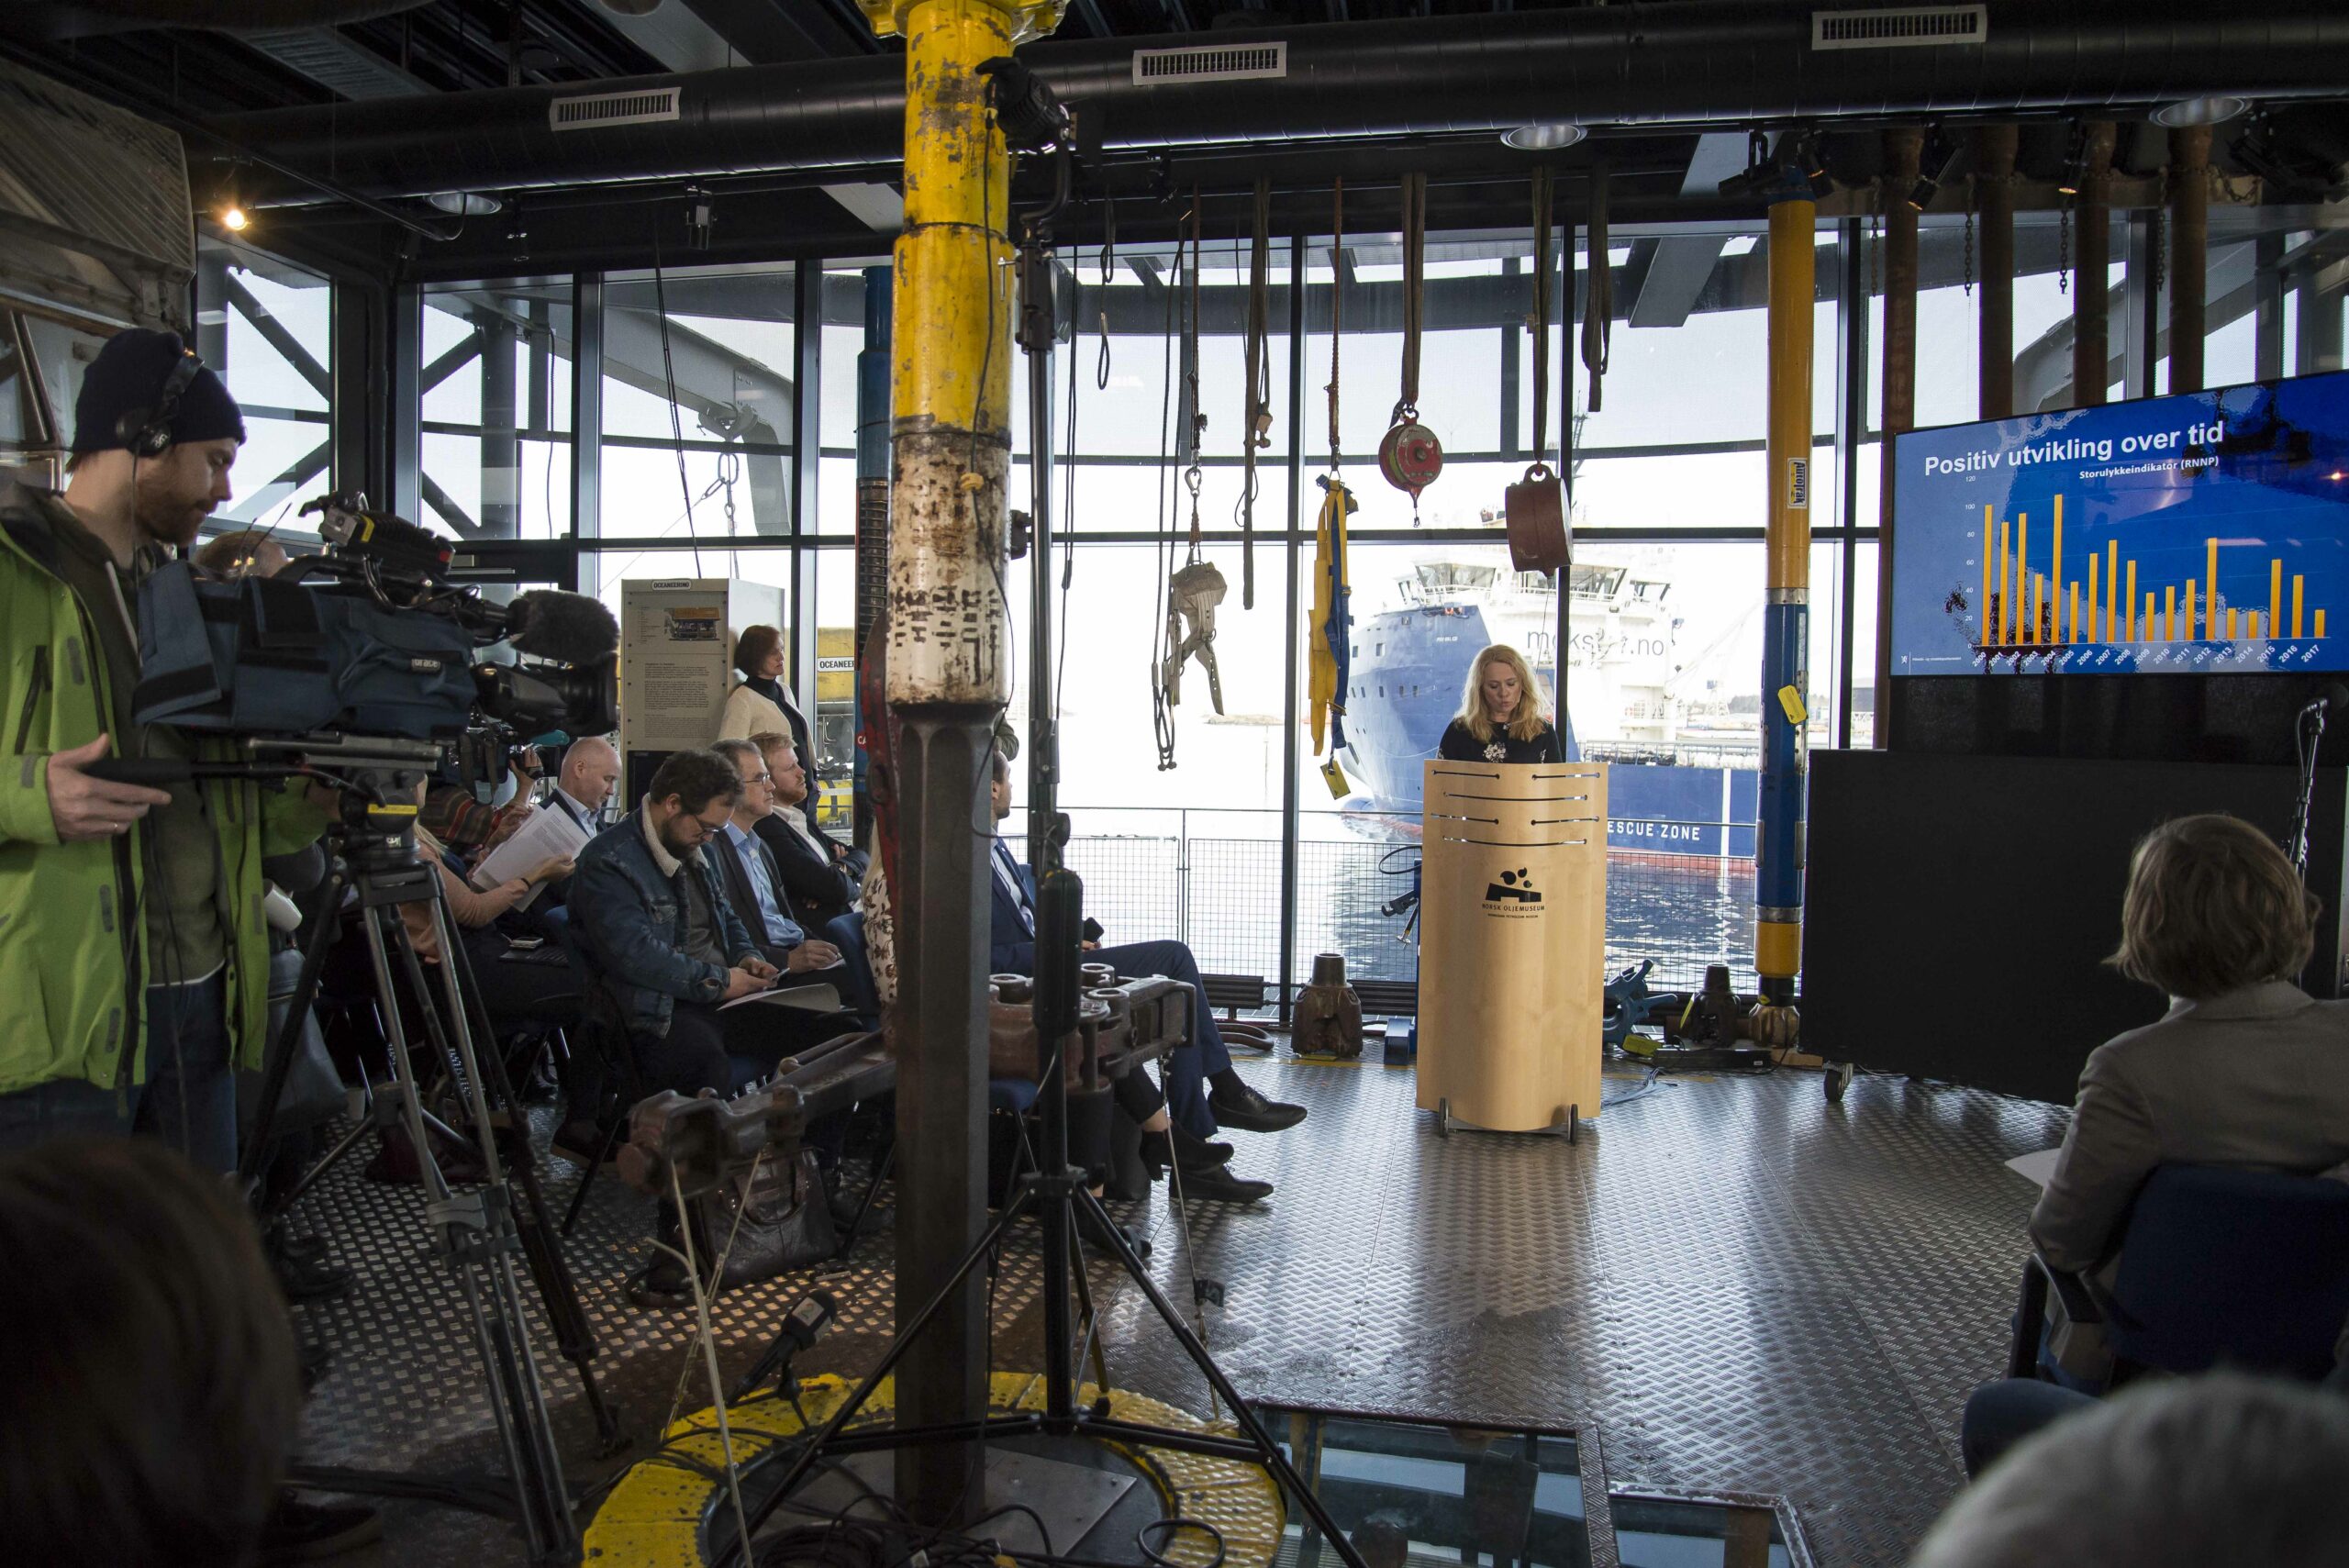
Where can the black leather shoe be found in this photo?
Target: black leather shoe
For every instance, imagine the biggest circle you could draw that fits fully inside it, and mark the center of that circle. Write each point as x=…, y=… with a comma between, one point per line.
x=314, y=1280
x=1218, y=1184
x=309, y=1532
x=1191, y=1153
x=302, y=1249
x=1250, y=1112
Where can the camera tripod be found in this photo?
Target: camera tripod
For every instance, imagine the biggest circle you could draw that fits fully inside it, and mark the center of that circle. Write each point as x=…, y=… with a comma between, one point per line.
x=476, y=1234
x=1057, y=1194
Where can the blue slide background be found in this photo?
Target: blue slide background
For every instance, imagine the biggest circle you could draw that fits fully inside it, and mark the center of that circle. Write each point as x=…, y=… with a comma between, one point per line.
x=2276, y=485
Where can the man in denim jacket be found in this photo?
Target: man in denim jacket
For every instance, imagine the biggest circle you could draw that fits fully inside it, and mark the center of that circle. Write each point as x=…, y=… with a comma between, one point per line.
x=657, y=928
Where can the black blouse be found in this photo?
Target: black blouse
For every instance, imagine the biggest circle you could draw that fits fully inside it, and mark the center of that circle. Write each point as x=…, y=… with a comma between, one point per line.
x=1460, y=746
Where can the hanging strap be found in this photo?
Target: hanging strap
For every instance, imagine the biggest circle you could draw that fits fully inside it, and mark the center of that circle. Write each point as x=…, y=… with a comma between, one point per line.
x=1337, y=305
x=1415, y=248
x=1599, y=306
x=1542, y=284
x=1196, y=420
x=1256, y=434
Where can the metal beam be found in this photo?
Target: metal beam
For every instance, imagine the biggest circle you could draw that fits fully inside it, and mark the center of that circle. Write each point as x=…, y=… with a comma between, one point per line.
x=273, y=332
x=1677, y=274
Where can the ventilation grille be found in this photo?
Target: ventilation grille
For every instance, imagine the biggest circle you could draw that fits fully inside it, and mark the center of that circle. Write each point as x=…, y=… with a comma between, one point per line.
x=1913, y=27
x=1228, y=63
x=613, y=108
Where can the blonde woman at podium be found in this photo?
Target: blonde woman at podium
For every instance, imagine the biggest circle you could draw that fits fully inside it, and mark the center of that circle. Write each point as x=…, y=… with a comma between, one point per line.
x=1504, y=714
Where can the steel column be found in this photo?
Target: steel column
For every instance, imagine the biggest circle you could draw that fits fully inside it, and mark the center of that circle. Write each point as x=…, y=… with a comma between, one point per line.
x=2141, y=283
x=407, y=400
x=872, y=499
x=806, y=474
x=501, y=440
x=947, y=679
x=2267, y=307
x=1293, y=619
x=2091, y=290
x=1851, y=424
x=1785, y=636
x=1904, y=149
x=1993, y=178
x=2189, y=253
x=2317, y=331
x=587, y=405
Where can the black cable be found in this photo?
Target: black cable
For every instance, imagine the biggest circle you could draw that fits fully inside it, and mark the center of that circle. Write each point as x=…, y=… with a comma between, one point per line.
x=669, y=374
x=1175, y=1522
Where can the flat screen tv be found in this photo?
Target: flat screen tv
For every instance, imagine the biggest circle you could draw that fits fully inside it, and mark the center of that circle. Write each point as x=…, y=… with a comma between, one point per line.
x=2201, y=534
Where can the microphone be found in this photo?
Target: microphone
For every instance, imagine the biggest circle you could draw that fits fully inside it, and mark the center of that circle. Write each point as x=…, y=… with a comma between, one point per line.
x=570, y=628
x=2334, y=699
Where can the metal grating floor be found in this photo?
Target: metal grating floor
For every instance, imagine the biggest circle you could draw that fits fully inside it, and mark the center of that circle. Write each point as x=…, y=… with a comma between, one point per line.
x=1746, y=1289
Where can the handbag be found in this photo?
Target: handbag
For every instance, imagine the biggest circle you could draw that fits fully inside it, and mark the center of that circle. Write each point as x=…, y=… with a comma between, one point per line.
x=769, y=1222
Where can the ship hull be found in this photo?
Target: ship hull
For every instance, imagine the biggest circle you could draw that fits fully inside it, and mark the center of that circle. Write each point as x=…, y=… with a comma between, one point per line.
x=1406, y=673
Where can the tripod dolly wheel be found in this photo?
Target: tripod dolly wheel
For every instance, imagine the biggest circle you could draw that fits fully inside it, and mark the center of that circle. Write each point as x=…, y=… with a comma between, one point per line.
x=1836, y=1079
x=1443, y=1118
x=1573, y=1124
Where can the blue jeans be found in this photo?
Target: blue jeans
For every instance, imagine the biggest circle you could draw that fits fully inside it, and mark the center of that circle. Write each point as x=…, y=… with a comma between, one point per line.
x=189, y=1100
x=1186, y=1071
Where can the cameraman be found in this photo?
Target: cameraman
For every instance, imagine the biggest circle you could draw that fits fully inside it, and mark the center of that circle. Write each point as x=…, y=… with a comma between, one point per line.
x=130, y=932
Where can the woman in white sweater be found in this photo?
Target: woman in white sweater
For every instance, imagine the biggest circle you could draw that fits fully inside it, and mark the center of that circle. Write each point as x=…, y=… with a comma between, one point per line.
x=761, y=703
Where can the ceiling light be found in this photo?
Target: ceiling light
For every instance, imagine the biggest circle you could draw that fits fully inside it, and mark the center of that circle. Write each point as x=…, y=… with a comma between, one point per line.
x=234, y=218
x=464, y=204
x=2209, y=110
x=1546, y=138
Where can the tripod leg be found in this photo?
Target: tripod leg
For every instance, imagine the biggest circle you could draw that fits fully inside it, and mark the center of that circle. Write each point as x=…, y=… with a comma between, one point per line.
x=1282, y=1471
x=881, y=1169
x=840, y=1418
x=587, y=1177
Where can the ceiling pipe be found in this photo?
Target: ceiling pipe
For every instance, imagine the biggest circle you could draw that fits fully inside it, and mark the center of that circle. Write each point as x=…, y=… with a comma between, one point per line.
x=57, y=20
x=1689, y=62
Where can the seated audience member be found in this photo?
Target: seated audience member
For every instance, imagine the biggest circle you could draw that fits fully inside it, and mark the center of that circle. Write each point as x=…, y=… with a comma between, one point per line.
x=752, y=882
x=522, y=989
x=591, y=767
x=1196, y=1114
x=2178, y=1473
x=1503, y=714
x=819, y=871
x=2244, y=1070
x=152, y=1397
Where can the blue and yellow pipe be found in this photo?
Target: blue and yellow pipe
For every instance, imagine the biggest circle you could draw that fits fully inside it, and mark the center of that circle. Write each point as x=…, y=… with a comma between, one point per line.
x=1785, y=641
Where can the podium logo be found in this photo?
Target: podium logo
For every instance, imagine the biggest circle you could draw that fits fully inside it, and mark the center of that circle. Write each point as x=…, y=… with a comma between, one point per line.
x=1514, y=888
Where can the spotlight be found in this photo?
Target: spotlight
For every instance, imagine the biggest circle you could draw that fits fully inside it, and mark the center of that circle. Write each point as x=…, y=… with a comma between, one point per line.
x=234, y=218
x=464, y=204
x=1933, y=159
x=1545, y=138
x=2209, y=110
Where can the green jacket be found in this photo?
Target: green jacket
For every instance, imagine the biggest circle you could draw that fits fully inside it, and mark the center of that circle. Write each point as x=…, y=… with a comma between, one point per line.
x=73, y=944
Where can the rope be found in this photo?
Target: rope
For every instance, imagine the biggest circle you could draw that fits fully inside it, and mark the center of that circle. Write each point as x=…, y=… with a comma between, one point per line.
x=1196, y=419
x=1257, y=432
x=1598, y=307
x=1541, y=284
x=1337, y=305
x=1415, y=260
x=1161, y=717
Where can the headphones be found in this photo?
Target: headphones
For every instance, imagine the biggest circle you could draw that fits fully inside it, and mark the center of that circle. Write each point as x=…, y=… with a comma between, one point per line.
x=148, y=431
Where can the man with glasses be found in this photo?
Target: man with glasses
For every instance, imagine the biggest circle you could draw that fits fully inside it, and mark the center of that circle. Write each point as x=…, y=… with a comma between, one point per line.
x=747, y=869
x=658, y=930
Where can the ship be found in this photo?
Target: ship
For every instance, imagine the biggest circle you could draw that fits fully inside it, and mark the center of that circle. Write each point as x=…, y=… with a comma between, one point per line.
x=1684, y=777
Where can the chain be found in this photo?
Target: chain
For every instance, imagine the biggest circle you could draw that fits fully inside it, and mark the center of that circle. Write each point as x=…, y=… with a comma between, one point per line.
x=729, y=469
x=2157, y=246
x=2064, y=248
x=1337, y=305
x=1876, y=243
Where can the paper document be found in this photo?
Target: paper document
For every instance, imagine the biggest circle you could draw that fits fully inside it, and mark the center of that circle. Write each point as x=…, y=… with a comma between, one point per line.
x=815, y=997
x=546, y=834
x=2039, y=1164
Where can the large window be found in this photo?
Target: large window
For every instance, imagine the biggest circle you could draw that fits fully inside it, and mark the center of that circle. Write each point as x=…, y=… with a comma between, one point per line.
x=267, y=328
x=496, y=400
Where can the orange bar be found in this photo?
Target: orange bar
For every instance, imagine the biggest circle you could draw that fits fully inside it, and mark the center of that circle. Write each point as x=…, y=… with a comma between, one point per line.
x=2038, y=609
x=2190, y=586
x=2254, y=626
x=2211, y=599
x=2296, y=580
x=2320, y=623
x=2169, y=615
x=2149, y=615
x=2095, y=603
x=2075, y=603
x=2055, y=570
x=2232, y=629
x=2006, y=592
x=2023, y=570
x=2275, y=595
x=2112, y=590
x=1982, y=609
x=2133, y=602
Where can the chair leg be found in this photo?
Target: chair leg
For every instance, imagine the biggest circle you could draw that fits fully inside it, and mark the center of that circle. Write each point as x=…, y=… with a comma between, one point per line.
x=2031, y=1320
x=855, y=1231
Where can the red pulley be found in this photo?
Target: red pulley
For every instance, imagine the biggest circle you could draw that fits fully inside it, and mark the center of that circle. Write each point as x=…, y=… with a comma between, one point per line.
x=1410, y=457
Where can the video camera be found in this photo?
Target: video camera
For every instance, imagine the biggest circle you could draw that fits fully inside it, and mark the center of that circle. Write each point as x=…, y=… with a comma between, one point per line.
x=370, y=641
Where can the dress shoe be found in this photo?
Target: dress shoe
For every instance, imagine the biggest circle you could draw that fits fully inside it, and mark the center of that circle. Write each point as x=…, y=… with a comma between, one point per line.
x=1250, y=1112
x=298, y=1531
x=1218, y=1184
x=1176, y=1146
x=583, y=1144
x=301, y=1248
x=313, y=1279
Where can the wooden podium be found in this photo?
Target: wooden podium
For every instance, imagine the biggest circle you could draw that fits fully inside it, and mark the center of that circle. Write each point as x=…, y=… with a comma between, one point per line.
x=1513, y=943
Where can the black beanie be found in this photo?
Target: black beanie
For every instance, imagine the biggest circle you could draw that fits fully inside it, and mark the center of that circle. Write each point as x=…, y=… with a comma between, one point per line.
x=129, y=374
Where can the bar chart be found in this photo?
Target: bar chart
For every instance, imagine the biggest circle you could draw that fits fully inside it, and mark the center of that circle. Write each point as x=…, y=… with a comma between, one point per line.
x=2039, y=607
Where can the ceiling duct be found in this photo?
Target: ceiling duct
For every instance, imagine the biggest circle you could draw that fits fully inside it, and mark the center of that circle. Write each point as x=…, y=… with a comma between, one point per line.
x=1227, y=62
x=1907, y=26
x=341, y=64
x=94, y=217
x=1690, y=63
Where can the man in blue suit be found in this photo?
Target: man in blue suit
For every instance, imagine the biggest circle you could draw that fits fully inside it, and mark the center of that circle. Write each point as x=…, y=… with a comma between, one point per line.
x=1196, y=1113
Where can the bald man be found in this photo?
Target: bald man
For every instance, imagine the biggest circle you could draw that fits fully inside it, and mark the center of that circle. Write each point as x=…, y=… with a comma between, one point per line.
x=590, y=770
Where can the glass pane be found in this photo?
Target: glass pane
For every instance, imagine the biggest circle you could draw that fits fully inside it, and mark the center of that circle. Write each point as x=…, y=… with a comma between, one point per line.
x=267, y=328
x=496, y=401
x=1659, y=1533
x=1425, y=1495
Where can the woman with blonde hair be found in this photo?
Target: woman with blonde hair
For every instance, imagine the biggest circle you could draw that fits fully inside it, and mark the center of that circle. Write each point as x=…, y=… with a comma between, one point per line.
x=1504, y=714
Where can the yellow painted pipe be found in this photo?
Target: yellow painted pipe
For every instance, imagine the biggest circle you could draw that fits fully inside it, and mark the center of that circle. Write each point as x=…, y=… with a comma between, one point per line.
x=1794, y=278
